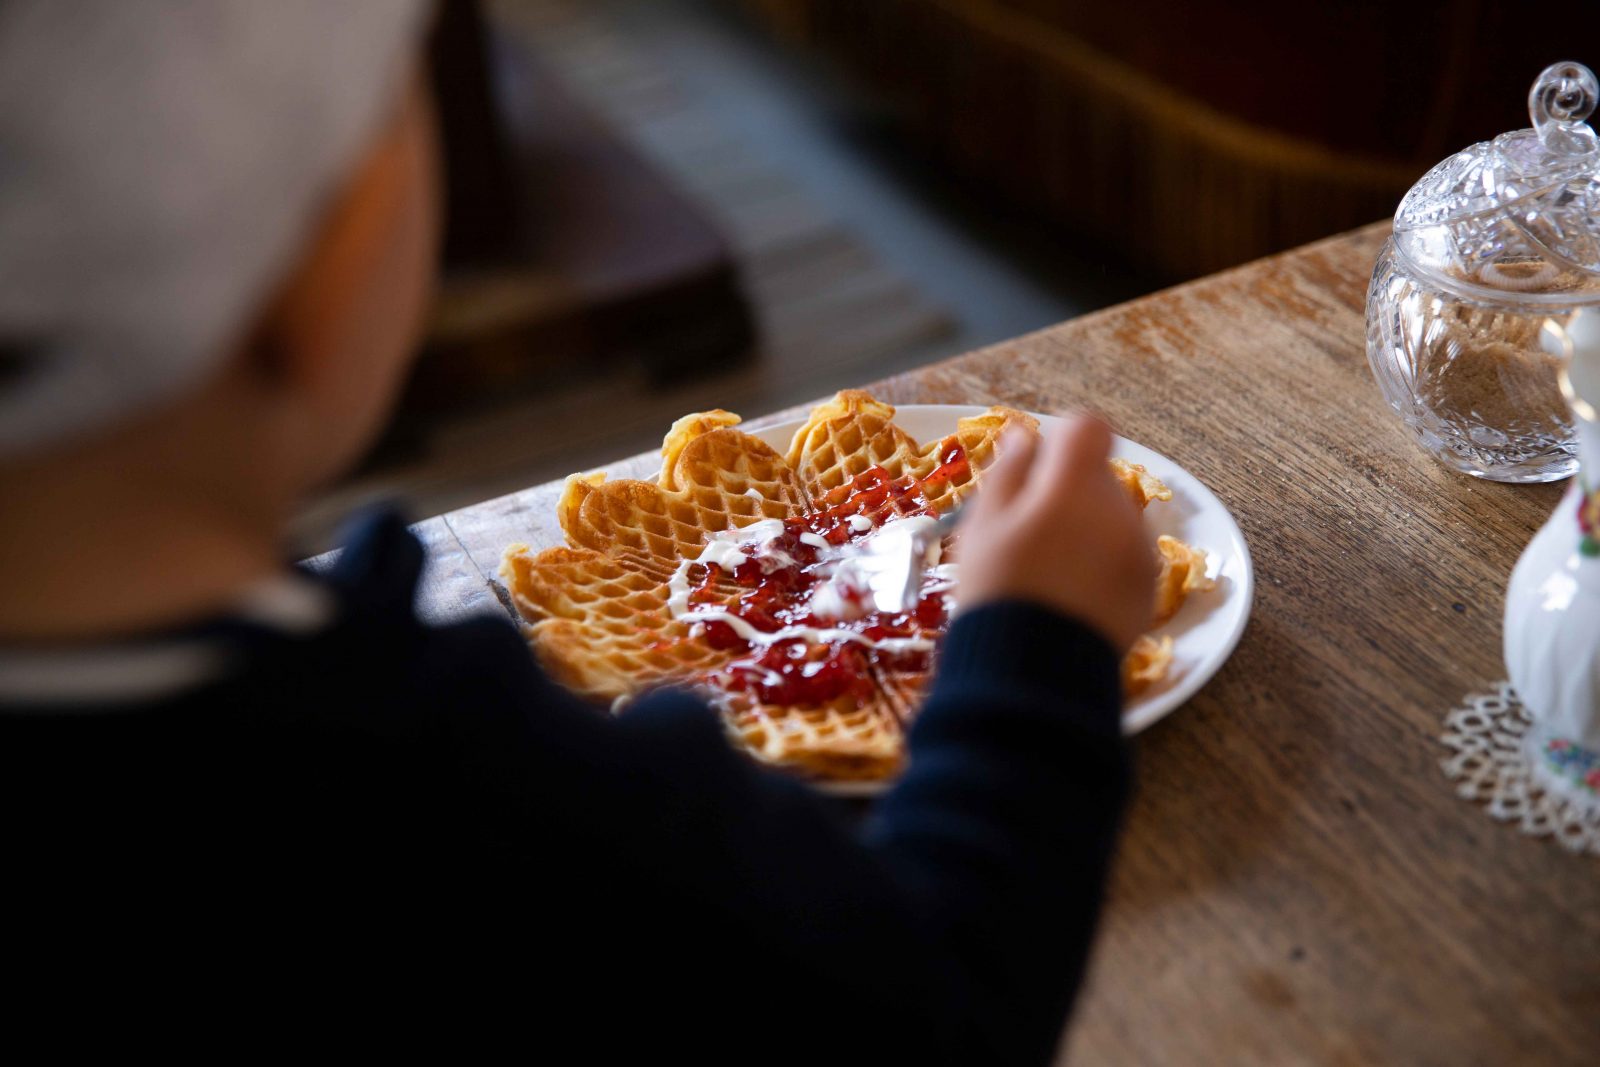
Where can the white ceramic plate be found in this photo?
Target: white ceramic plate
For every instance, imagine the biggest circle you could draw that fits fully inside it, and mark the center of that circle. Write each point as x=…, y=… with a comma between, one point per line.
x=1205, y=630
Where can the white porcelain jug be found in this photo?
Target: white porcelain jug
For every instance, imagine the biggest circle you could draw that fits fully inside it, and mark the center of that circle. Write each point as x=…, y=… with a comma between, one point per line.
x=1552, y=620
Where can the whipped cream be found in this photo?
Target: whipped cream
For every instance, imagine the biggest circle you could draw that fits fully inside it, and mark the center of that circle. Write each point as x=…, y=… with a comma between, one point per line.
x=842, y=592
x=811, y=634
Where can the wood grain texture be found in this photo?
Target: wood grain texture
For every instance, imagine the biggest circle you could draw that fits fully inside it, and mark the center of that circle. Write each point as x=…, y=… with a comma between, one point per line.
x=1297, y=883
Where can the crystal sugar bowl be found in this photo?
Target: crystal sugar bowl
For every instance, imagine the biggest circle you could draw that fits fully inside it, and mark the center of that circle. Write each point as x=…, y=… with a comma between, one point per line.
x=1488, y=246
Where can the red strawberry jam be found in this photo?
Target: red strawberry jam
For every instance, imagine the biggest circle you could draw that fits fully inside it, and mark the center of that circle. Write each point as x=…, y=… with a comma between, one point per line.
x=953, y=465
x=775, y=594
x=786, y=674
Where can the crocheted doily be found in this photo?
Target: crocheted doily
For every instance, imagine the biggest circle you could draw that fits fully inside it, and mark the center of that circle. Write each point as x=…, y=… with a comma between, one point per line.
x=1549, y=786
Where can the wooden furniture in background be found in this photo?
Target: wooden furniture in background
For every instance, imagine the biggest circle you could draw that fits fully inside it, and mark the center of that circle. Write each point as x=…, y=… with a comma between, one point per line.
x=1193, y=136
x=1297, y=883
x=565, y=251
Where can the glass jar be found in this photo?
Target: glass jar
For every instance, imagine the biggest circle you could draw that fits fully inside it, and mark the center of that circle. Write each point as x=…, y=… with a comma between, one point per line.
x=1488, y=246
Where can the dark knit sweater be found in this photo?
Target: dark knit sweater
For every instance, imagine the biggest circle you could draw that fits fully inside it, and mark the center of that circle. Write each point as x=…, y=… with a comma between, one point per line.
x=390, y=836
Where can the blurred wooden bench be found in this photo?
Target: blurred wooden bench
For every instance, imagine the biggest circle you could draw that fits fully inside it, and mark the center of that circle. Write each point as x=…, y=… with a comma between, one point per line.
x=565, y=251
x=1190, y=137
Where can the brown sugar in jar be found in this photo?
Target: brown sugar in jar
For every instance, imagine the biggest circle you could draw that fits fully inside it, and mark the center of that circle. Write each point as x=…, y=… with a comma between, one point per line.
x=1487, y=366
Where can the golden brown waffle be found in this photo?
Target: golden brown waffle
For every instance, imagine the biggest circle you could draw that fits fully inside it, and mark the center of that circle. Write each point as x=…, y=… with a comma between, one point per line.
x=598, y=610
x=709, y=472
x=832, y=742
x=599, y=624
x=1146, y=663
x=854, y=432
x=1141, y=485
x=1183, y=571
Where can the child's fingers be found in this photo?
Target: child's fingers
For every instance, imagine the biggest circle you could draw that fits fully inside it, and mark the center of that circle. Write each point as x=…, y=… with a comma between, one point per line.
x=1003, y=480
x=1079, y=446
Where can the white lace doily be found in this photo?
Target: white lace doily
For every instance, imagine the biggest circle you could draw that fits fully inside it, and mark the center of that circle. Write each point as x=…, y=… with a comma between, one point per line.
x=1490, y=736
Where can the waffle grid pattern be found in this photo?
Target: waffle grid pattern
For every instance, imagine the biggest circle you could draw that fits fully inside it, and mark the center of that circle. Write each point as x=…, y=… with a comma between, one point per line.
x=597, y=611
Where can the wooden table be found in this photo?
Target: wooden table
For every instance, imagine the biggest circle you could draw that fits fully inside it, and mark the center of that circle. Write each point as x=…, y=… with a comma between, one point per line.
x=1298, y=883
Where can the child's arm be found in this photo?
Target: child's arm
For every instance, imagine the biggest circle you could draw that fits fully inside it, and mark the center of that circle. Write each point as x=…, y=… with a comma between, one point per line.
x=965, y=908
x=954, y=927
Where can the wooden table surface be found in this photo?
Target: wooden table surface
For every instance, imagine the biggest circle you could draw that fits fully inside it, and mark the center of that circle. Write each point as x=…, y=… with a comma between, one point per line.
x=1298, y=883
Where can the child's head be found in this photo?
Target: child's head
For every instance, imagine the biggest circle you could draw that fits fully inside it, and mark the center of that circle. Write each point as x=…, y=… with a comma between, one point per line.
x=318, y=371
x=217, y=236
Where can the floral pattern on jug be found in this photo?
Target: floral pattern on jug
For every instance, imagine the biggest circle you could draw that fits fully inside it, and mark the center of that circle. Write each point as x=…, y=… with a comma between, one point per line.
x=1552, y=618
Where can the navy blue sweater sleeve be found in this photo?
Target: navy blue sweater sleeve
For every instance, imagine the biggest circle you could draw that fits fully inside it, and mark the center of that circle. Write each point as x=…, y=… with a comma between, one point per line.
x=1004, y=826
x=963, y=909
x=397, y=832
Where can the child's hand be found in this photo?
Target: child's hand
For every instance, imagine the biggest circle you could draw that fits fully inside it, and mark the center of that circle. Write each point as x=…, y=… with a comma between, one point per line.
x=1051, y=525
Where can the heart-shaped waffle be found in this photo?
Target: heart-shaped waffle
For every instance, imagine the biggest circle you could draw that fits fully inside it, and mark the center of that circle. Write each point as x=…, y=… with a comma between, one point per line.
x=657, y=588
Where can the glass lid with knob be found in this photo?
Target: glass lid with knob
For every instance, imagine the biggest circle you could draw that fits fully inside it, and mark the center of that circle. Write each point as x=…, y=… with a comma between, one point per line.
x=1521, y=213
